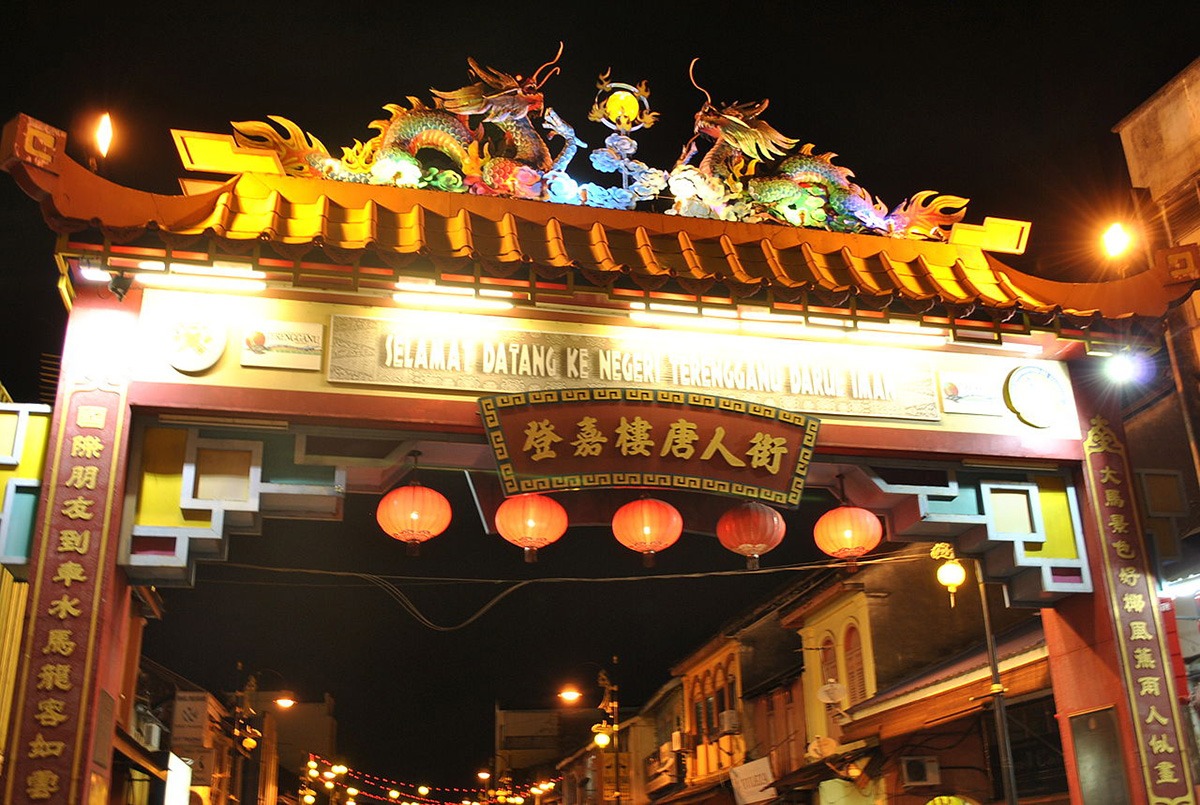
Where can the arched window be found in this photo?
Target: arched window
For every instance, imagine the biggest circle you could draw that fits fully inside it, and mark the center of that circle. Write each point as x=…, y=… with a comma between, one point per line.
x=829, y=670
x=698, y=724
x=856, y=674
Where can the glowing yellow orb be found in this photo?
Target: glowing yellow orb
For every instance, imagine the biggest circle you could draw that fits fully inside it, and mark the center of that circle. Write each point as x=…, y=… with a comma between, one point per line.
x=622, y=108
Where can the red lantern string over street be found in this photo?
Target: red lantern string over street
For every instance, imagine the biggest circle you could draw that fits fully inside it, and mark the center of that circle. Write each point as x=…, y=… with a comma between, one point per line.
x=847, y=532
x=413, y=514
x=531, y=522
x=647, y=525
x=751, y=530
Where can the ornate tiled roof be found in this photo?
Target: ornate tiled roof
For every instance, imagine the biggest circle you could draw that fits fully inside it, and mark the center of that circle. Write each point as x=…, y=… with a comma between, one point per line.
x=319, y=231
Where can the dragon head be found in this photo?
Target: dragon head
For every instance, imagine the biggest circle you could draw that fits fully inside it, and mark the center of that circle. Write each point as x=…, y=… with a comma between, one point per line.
x=497, y=95
x=738, y=125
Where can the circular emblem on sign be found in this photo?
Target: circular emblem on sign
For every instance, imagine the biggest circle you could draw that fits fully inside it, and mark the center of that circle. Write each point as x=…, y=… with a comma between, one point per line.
x=195, y=346
x=1037, y=396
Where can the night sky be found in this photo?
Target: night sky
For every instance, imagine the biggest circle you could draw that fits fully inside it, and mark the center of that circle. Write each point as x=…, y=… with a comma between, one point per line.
x=1010, y=105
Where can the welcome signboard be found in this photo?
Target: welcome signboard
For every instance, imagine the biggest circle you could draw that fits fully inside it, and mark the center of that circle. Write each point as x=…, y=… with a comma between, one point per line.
x=586, y=438
x=418, y=352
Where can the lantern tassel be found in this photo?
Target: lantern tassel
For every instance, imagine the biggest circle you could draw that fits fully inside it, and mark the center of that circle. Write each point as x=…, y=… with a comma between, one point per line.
x=752, y=562
x=648, y=559
x=530, y=555
x=413, y=549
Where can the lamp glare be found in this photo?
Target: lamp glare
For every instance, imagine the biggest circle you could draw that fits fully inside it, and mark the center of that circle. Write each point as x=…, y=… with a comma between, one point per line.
x=1116, y=240
x=1124, y=367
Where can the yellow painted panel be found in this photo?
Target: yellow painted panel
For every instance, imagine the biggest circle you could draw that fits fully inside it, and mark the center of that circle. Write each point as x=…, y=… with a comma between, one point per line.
x=218, y=153
x=32, y=454
x=1056, y=517
x=223, y=474
x=13, y=598
x=996, y=235
x=162, y=481
x=1011, y=511
x=8, y=432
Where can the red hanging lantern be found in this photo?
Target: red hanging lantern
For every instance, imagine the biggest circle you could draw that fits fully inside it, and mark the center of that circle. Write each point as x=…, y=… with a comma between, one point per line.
x=751, y=530
x=531, y=522
x=847, y=532
x=647, y=525
x=413, y=514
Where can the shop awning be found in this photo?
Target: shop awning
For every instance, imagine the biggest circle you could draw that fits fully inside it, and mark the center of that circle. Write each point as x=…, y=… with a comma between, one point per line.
x=153, y=763
x=957, y=690
x=828, y=768
x=717, y=793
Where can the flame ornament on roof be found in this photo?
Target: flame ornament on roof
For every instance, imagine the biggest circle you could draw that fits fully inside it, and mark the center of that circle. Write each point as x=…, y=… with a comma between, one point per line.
x=484, y=138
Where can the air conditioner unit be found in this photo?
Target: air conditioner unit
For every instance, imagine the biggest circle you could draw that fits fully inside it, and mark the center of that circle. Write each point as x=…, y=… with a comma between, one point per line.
x=152, y=735
x=682, y=741
x=728, y=722
x=916, y=771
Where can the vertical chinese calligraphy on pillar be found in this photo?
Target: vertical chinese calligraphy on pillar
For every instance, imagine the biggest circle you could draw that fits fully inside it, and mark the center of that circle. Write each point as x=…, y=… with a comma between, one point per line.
x=1145, y=662
x=75, y=554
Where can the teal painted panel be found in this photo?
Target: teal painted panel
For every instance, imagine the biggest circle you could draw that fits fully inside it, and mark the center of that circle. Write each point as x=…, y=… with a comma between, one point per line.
x=967, y=502
x=21, y=521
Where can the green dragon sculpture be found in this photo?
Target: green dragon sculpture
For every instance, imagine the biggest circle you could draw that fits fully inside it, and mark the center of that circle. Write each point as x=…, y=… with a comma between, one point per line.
x=484, y=138
x=513, y=161
x=803, y=189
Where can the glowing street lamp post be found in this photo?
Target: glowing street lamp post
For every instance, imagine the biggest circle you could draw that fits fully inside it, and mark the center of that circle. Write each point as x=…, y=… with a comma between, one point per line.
x=605, y=733
x=951, y=574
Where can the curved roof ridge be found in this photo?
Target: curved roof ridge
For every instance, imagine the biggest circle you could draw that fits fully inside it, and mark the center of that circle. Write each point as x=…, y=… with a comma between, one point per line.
x=292, y=213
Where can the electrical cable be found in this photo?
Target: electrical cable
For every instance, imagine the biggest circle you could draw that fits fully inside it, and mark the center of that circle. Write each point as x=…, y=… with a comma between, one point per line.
x=388, y=583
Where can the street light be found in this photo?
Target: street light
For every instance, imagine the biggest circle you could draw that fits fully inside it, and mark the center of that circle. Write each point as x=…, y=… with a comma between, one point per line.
x=952, y=575
x=328, y=777
x=1116, y=240
x=283, y=698
x=607, y=732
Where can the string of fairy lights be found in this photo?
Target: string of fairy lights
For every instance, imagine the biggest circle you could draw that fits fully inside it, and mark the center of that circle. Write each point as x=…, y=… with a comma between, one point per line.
x=345, y=786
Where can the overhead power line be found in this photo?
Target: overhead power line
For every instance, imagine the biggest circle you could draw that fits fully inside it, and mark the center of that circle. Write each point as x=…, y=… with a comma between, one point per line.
x=388, y=584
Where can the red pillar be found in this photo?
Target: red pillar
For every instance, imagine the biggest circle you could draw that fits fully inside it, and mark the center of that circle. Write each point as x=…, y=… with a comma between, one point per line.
x=1108, y=656
x=68, y=693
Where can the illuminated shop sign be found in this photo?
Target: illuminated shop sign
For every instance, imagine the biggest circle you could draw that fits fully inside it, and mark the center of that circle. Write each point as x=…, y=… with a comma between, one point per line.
x=585, y=438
